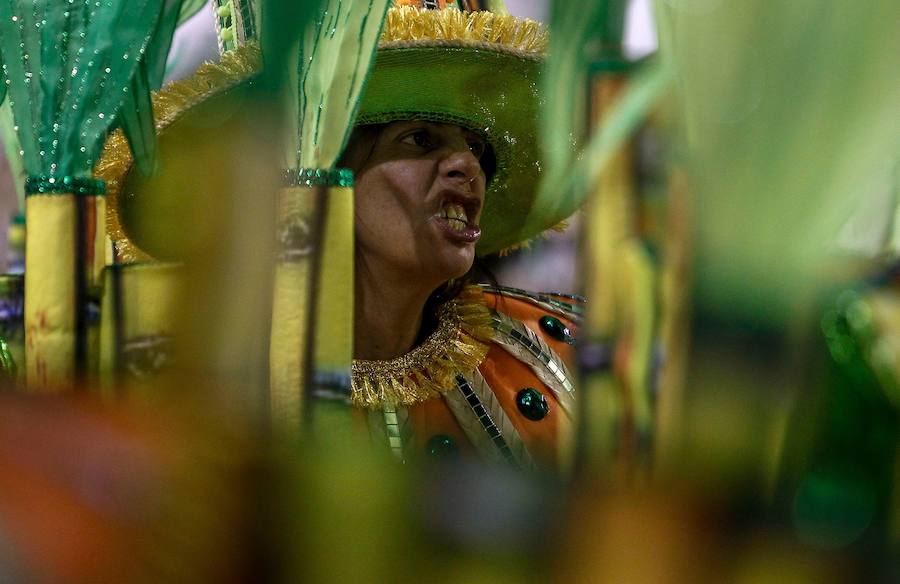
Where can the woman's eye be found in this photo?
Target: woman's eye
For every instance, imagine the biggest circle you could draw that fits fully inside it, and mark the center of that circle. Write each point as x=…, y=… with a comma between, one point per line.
x=477, y=148
x=418, y=138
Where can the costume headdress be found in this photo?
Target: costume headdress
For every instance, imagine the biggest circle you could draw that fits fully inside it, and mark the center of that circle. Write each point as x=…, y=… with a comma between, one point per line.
x=476, y=69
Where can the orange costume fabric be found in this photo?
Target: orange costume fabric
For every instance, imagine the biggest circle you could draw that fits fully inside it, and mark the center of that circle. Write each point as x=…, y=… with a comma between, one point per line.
x=509, y=368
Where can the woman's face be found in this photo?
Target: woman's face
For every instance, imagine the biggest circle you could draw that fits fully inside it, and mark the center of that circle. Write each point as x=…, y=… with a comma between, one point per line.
x=419, y=194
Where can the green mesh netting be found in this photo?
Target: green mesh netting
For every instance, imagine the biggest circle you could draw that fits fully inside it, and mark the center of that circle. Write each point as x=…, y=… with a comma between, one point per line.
x=585, y=40
x=137, y=112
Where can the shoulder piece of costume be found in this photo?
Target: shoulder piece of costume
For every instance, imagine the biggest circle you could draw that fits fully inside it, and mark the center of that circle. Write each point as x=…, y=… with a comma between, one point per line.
x=466, y=327
x=503, y=375
x=569, y=306
x=538, y=328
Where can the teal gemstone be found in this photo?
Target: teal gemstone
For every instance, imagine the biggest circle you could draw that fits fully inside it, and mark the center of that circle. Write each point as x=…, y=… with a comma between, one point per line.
x=532, y=404
x=556, y=329
x=441, y=446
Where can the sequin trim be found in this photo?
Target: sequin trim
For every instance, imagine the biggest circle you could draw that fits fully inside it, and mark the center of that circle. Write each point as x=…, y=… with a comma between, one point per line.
x=485, y=419
x=44, y=184
x=573, y=310
x=313, y=177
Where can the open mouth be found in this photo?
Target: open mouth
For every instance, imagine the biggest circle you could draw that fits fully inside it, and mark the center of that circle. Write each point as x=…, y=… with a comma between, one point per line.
x=455, y=215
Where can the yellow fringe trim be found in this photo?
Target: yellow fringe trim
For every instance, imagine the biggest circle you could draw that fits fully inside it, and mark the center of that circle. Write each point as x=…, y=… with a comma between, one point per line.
x=558, y=228
x=459, y=345
x=169, y=104
x=409, y=23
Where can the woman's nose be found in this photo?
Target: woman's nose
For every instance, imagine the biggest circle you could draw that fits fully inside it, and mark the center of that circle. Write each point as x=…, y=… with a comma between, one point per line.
x=459, y=164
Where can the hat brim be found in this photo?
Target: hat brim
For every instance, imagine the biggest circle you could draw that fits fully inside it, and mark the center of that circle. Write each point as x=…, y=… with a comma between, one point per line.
x=487, y=89
x=148, y=217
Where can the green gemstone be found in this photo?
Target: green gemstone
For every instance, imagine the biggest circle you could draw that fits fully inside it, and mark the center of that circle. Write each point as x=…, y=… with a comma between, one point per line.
x=556, y=329
x=532, y=404
x=441, y=446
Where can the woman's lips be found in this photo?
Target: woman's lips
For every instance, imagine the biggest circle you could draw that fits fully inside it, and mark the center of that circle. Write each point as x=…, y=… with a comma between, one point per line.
x=469, y=234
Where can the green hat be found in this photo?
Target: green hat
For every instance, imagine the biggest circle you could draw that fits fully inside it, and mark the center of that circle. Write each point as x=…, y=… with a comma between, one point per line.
x=478, y=70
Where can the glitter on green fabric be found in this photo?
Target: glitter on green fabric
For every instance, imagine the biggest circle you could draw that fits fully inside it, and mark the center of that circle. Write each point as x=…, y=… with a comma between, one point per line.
x=311, y=177
x=69, y=70
x=48, y=184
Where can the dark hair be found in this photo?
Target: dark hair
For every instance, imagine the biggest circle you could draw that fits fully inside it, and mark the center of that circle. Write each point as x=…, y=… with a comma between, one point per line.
x=362, y=137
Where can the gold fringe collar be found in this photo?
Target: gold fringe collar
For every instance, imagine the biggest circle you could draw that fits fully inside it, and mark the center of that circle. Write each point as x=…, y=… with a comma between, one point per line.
x=458, y=345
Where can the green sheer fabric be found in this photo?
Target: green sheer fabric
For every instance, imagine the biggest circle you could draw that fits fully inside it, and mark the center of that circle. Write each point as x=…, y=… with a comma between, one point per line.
x=11, y=149
x=333, y=65
x=586, y=37
x=581, y=33
x=791, y=118
x=2, y=85
x=189, y=8
x=137, y=111
x=646, y=87
x=70, y=69
x=136, y=120
x=498, y=6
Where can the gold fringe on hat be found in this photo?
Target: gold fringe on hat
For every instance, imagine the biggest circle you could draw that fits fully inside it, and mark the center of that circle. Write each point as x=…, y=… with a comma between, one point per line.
x=458, y=346
x=558, y=228
x=416, y=26
x=169, y=103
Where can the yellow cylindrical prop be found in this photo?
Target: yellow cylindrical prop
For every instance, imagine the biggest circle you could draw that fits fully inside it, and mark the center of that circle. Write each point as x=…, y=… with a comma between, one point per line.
x=312, y=316
x=50, y=290
x=621, y=284
x=61, y=274
x=138, y=322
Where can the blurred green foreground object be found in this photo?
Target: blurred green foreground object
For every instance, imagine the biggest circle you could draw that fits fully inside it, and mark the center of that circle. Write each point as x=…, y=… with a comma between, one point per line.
x=840, y=471
x=786, y=113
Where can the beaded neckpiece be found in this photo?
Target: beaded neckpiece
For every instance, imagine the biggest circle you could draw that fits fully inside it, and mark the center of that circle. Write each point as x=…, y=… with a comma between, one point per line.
x=457, y=346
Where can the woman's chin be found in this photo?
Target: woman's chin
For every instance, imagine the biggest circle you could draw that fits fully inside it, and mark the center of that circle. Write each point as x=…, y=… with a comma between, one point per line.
x=456, y=263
